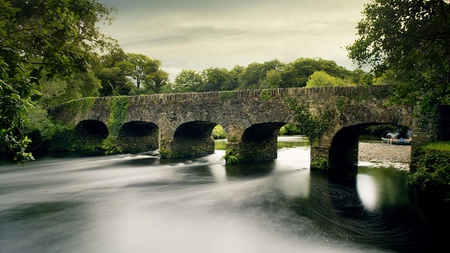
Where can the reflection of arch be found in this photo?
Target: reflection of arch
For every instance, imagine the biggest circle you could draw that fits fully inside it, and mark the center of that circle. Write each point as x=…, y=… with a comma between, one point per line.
x=90, y=134
x=343, y=153
x=138, y=136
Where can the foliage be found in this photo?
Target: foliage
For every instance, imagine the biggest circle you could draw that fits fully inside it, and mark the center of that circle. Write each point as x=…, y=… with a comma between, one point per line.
x=231, y=156
x=409, y=41
x=254, y=75
x=297, y=73
x=112, y=70
x=41, y=38
x=289, y=129
x=218, y=132
x=188, y=80
x=60, y=90
x=164, y=149
x=270, y=74
x=440, y=146
x=320, y=164
x=313, y=126
x=431, y=174
x=321, y=78
x=46, y=134
x=265, y=95
x=216, y=79
x=118, y=106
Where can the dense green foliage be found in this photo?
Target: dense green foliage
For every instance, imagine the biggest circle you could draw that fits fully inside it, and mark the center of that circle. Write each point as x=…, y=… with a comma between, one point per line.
x=271, y=74
x=431, y=177
x=407, y=43
x=40, y=39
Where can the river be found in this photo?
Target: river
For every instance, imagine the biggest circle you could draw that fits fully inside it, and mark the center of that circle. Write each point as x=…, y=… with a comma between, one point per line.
x=139, y=203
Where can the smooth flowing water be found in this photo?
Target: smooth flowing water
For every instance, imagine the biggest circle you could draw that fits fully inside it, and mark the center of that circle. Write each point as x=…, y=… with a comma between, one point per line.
x=139, y=203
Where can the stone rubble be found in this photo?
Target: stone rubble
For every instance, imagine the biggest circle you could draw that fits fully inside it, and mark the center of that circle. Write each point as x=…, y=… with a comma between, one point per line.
x=382, y=152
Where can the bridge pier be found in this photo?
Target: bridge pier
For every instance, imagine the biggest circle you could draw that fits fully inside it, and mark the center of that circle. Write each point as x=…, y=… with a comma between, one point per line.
x=186, y=147
x=138, y=136
x=258, y=143
x=248, y=152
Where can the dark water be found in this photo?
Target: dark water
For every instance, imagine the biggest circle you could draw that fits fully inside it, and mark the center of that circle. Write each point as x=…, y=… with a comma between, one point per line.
x=138, y=203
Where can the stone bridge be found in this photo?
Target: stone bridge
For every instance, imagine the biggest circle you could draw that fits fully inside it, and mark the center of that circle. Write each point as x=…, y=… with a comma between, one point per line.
x=180, y=125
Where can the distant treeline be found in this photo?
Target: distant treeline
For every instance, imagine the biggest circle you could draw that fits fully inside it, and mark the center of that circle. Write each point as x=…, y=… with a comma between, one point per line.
x=120, y=73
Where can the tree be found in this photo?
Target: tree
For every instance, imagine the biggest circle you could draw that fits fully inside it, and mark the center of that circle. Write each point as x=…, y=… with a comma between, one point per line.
x=254, y=76
x=154, y=81
x=187, y=81
x=297, y=73
x=112, y=70
x=144, y=69
x=59, y=90
x=41, y=38
x=410, y=39
x=321, y=79
x=214, y=79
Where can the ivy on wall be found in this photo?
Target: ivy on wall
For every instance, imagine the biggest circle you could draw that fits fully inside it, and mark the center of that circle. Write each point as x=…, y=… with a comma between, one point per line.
x=313, y=126
x=118, y=106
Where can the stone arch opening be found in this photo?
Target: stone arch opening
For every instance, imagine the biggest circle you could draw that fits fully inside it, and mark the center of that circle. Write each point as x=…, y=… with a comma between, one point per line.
x=343, y=152
x=90, y=134
x=138, y=136
x=259, y=142
x=193, y=139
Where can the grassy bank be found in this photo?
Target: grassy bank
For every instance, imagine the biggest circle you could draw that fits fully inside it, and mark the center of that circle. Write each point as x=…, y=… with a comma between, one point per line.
x=438, y=146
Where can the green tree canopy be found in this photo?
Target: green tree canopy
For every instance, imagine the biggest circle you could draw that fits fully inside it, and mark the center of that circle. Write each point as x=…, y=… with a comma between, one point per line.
x=410, y=39
x=188, y=81
x=147, y=72
x=41, y=38
x=297, y=73
x=322, y=78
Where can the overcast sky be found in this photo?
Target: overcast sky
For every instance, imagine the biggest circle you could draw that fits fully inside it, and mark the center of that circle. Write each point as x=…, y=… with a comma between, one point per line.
x=198, y=34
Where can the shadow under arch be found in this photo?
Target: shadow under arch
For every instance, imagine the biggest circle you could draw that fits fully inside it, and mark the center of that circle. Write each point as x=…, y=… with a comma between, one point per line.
x=343, y=153
x=138, y=136
x=193, y=139
x=90, y=134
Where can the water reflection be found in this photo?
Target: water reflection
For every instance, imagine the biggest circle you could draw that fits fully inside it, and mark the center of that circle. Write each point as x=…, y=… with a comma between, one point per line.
x=137, y=203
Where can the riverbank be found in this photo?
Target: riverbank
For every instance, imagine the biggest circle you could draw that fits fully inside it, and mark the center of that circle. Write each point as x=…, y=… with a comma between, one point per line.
x=381, y=152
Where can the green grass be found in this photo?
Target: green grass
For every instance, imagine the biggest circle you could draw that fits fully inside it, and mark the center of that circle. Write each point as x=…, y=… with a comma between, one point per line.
x=441, y=146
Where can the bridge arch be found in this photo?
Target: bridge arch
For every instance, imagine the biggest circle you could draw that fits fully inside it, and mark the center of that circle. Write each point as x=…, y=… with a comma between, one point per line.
x=138, y=136
x=193, y=139
x=259, y=142
x=90, y=134
x=343, y=152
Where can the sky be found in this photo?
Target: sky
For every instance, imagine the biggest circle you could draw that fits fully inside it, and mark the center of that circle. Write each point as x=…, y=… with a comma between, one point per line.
x=199, y=34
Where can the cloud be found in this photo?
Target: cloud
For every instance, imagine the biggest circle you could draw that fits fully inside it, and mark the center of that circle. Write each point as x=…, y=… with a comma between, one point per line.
x=197, y=34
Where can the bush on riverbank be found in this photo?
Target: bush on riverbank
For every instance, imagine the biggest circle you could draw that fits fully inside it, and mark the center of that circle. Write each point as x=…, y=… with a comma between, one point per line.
x=430, y=168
